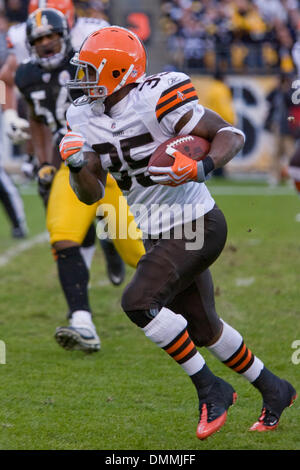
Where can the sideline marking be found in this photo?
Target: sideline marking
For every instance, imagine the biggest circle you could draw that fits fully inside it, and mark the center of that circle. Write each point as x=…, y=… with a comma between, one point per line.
x=26, y=245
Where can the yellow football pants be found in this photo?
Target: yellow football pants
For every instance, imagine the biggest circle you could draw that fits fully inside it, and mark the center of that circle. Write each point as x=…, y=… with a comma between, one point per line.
x=70, y=219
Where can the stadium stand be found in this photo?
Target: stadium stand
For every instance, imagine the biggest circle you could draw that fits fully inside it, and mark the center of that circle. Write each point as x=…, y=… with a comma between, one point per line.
x=241, y=35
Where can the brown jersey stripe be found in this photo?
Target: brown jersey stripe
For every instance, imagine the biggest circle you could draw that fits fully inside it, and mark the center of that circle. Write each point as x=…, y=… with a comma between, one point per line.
x=175, y=87
x=177, y=99
x=173, y=95
x=177, y=105
x=232, y=360
x=173, y=98
x=177, y=342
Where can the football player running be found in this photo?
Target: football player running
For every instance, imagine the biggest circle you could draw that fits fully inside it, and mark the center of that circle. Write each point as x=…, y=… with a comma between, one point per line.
x=41, y=81
x=171, y=295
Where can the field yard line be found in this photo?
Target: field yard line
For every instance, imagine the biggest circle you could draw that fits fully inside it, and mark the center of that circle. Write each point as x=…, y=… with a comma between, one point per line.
x=21, y=247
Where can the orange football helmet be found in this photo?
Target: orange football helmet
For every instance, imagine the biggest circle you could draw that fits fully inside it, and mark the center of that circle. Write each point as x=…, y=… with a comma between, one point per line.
x=65, y=6
x=109, y=59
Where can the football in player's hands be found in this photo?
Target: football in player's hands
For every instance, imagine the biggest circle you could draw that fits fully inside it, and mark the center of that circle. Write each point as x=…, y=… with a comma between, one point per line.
x=192, y=146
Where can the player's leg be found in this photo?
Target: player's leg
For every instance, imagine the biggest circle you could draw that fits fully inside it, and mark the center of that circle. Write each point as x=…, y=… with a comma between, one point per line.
x=197, y=305
x=68, y=221
x=277, y=394
x=163, y=272
x=13, y=204
x=122, y=229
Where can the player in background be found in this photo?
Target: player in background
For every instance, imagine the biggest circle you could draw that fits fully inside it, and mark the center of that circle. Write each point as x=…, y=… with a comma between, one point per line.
x=171, y=295
x=9, y=194
x=41, y=82
x=12, y=203
x=17, y=128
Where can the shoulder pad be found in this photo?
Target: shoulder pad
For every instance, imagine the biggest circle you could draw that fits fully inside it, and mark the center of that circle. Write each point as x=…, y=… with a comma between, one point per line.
x=27, y=74
x=76, y=116
x=166, y=92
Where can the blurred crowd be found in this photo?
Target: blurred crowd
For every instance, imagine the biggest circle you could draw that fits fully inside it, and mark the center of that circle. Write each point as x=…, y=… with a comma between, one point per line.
x=15, y=11
x=231, y=35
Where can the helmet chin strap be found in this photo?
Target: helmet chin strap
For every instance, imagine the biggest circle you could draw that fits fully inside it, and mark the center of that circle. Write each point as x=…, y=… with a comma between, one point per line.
x=124, y=79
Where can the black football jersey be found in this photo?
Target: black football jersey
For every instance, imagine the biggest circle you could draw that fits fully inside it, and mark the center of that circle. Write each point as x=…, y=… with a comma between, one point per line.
x=45, y=91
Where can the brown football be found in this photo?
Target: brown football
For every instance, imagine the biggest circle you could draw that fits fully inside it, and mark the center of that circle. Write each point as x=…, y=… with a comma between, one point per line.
x=192, y=146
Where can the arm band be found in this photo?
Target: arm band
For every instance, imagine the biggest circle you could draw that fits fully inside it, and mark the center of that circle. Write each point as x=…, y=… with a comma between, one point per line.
x=204, y=167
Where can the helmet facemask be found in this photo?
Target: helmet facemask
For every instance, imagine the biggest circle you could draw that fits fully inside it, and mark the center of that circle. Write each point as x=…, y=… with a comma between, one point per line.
x=87, y=79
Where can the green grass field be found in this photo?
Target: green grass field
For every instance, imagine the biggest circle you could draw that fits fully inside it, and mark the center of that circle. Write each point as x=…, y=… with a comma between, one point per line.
x=131, y=395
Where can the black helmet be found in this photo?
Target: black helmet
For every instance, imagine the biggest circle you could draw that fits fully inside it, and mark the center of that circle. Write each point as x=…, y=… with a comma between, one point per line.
x=43, y=22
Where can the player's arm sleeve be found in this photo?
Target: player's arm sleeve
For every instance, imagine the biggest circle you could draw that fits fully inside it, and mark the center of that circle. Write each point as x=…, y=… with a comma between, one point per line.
x=21, y=85
x=176, y=101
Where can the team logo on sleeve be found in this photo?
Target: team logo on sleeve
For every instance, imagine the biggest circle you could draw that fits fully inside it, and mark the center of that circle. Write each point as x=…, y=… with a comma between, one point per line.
x=174, y=97
x=180, y=95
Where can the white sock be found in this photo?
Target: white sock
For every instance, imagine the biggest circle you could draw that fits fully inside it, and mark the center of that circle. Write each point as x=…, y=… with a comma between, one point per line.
x=232, y=351
x=82, y=319
x=168, y=331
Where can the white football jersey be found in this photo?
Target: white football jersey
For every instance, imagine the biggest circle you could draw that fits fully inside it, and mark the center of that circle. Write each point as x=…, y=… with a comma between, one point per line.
x=84, y=26
x=126, y=138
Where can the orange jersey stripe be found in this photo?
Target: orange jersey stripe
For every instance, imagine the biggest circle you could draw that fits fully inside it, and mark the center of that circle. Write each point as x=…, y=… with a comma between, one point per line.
x=184, y=352
x=178, y=343
x=169, y=106
x=236, y=358
x=244, y=363
x=173, y=93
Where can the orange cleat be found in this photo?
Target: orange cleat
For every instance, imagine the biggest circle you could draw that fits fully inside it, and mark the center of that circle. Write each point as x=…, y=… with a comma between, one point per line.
x=213, y=409
x=270, y=416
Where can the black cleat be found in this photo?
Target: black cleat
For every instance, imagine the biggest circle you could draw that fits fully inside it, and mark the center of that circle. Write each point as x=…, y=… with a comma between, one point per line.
x=213, y=408
x=114, y=264
x=19, y=232
x=274, y=404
